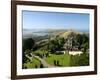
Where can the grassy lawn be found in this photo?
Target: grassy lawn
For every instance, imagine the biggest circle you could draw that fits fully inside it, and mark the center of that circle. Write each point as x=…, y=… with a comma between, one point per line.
x=64, y=59
x=33, y=64
x=61, y=60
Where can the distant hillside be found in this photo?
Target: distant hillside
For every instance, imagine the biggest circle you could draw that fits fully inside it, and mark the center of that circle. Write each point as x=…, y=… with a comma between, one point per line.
x=35, y=33
x=65, y=34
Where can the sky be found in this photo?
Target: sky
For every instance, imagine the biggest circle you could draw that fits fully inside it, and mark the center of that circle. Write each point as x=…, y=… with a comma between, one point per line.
x=55, y=20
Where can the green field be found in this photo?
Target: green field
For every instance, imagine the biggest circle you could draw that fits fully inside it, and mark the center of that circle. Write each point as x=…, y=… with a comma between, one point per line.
x=64, y=59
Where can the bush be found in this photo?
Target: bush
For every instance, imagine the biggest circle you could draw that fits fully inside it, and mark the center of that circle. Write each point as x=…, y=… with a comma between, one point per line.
x=41, y=65
x=79, y=60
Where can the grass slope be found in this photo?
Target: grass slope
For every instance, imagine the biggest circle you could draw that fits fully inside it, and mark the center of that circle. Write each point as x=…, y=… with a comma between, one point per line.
x=64, y=59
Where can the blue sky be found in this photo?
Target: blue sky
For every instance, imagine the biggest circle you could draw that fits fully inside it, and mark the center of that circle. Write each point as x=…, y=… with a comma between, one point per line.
x=55, y=20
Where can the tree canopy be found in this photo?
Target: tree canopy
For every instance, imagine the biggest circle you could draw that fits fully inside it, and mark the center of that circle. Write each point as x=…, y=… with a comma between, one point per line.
x=28, y=44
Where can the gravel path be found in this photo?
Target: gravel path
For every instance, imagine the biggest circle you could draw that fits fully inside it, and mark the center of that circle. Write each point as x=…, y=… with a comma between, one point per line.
x=45, y=64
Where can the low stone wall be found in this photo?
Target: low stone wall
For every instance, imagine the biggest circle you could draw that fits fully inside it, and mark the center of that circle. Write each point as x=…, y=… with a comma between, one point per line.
x=75, y=52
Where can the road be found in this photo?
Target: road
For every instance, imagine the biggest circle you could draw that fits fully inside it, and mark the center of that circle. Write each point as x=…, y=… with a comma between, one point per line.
x=45, y=64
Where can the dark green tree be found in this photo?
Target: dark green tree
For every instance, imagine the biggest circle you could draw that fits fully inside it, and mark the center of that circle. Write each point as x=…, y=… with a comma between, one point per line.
x=27, y=46
x=82, y=39
x=85, y=46
x=41, y=65
x=56, y=44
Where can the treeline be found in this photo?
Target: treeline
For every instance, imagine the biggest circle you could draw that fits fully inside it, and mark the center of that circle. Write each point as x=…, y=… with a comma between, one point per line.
x=79, y=60
x=81, y=41
x=56, y=44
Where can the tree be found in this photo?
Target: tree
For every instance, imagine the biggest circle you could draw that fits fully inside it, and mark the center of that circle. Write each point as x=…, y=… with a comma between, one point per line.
x=55, y=62
x=61, y=42
x=53, y=45
x=82, y=39
x=79, y=60
x=27, y=46
x=36, y=66
x=79, y=39
x=41, y=65
x=83, y=60
x=85, y=46
x=56, y=44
